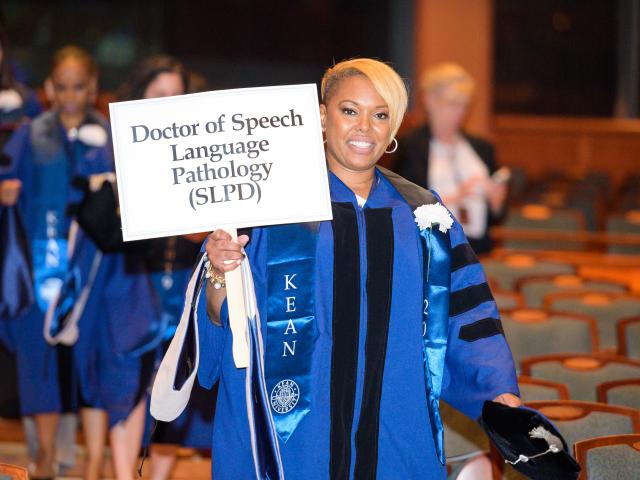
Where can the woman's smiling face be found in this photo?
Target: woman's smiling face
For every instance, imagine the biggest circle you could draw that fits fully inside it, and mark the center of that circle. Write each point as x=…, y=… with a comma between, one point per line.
x=356, y=123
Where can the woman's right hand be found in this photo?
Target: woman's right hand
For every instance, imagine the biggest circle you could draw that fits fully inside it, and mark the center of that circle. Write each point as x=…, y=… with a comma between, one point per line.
x=223, y=252
x=9, y=192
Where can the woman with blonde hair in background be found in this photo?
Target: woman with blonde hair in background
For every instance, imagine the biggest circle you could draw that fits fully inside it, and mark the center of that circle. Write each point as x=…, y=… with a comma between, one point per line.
x=442, y=156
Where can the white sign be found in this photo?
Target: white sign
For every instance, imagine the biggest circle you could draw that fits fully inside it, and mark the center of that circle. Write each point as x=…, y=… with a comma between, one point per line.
x=223, y=159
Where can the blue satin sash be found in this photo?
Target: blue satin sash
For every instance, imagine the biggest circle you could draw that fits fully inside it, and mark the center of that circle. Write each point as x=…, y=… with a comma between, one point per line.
x=267, y=459
x=49, y=269
x=291, y=258
x=65, y=312
x=70, y=292
x=437, y=285
x=54, y=164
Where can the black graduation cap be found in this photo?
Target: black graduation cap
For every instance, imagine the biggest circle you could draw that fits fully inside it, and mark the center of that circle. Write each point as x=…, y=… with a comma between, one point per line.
x=528, y=441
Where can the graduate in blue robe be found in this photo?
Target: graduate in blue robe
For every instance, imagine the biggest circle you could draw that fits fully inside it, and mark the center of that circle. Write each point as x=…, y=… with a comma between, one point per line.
x=46, y=161
x=367, y=321
x=45, y=157
x=151, y=292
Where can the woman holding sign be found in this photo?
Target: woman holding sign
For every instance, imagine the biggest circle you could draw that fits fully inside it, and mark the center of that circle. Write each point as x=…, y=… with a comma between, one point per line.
x=366, y=321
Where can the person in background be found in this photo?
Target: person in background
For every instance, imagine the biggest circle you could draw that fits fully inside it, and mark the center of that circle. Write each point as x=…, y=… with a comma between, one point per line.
x=443, y=157
x=61, y=144
x=169, y=262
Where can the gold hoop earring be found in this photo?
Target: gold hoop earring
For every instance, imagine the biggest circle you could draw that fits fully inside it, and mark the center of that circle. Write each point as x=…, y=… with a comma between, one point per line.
x=395, y=147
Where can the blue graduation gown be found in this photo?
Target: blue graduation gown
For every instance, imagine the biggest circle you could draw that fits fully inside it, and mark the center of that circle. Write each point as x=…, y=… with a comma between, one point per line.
x=478, y=362
x=46, y=162
x=127, y=317
x=194, y=426
x=115, y=351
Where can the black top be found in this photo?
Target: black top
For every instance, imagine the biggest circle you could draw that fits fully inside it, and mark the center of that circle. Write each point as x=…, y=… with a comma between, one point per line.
x=412, y=162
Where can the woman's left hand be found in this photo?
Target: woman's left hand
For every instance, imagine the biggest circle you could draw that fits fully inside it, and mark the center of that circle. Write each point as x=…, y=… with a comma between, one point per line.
x=508, y=399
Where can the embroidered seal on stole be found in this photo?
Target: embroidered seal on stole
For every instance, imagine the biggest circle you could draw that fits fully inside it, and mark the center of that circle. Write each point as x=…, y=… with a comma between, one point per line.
x=284, y=396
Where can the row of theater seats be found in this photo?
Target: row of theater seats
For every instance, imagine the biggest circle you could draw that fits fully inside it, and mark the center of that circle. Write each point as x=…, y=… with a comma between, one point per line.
x=536, y=226
x=576, y=343
x=595, y=194
x=588, y=213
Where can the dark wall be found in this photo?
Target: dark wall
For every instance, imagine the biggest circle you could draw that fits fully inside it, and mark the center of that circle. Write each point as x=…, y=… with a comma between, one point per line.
x=555, y=56
x=551, y=56
x=235, y=43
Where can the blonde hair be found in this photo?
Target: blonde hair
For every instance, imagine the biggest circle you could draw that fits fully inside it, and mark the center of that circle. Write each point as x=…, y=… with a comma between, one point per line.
x=448, y=75
x=385, y=80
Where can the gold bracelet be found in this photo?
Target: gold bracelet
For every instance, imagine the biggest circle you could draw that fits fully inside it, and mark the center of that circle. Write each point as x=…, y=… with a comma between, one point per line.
x=216, y=277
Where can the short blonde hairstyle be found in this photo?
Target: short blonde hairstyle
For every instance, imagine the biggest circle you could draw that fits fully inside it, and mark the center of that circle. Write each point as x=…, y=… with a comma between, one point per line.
x=448, y=75
x=385, y=80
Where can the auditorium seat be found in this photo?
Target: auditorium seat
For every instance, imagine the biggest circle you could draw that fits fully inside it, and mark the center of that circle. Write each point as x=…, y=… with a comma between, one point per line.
x=628, y=330
x=534, y=288
x=506, y=270
x=535, y=216
x=606, y=308
x=535, y=332
x=620, y=392
x=13, y=472
x=532, y=389
x=507, y=300
x=463, y=437
x=582, y=373
x=627, y=222
x=611, y=456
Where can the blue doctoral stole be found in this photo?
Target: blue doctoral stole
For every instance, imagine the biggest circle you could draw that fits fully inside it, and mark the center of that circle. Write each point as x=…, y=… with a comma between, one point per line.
x=291, y=263
x=54, y=164
x=436, y=248
x=435, y=318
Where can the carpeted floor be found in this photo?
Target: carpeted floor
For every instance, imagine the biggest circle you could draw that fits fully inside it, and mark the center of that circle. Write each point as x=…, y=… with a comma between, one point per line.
x=190, y=464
